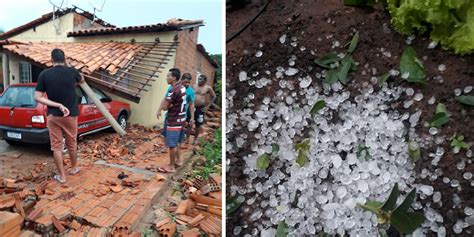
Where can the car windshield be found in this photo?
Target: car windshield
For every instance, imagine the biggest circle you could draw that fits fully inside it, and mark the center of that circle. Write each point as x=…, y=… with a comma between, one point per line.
x=18, y=96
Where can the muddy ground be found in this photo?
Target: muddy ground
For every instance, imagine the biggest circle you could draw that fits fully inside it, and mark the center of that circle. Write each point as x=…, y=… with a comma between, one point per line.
x=316, y=24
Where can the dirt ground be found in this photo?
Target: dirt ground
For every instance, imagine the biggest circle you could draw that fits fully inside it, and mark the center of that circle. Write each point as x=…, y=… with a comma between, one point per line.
x=118, y=190
x=316, y=24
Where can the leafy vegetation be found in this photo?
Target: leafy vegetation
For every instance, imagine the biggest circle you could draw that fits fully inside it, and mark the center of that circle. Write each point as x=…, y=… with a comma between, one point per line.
x=343, y=65
x=441, y=116
x=263, y=161
x=218, y=78
x=282, y=229
x=458, y=141
x=466, y=99
x=232, y=204
x=363, y=152
x=449, y=22
x=414, y=151
x=403, y=220
x=302, y=150
x=411, y=68
x=317, y=107
x=212, y=150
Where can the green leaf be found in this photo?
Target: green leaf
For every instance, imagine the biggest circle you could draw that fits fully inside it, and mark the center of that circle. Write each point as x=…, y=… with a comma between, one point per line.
x=383, y=79
x=383, y=233
x=331, y=76
x=354, y=42
x=232, y=205
x=389, y=205
x=441, y=108
x=414, y=151
x=263, y=161
x=317, y=107
x=302, y=150
x=275, y=149
x=439, y=119
x=372, y=206
x=410, y=64
x=464, y=145
x=282, y=229
x=406, y=222
x=327, y=60
x=346, y=62
x=407, y=202
x=466, y=99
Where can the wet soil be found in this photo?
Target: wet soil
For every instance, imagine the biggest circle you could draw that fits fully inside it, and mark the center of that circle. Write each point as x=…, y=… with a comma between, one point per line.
x=317, y=24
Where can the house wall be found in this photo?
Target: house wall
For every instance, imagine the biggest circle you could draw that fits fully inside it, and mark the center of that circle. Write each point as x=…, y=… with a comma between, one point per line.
x=206, y=68
x=48, y=32
x=144, y=113
x=81, y=22
x=186, y=57
x=187, y=53
x=14, y=62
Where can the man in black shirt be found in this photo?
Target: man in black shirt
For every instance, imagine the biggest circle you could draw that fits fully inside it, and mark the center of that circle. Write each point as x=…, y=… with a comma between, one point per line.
x=59, y=83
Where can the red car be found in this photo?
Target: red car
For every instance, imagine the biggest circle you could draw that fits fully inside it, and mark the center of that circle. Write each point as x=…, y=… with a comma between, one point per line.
x=22, y=119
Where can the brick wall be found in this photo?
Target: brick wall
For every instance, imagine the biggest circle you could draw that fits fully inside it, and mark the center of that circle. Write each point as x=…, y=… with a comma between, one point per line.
x=206, y=68
x=186, y=53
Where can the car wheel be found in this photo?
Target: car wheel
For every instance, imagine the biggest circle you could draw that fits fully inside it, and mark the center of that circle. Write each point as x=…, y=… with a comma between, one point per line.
x=122, y=121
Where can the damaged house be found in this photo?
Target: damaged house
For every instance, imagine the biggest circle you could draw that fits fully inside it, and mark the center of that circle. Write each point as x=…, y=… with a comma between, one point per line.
x=129, y=63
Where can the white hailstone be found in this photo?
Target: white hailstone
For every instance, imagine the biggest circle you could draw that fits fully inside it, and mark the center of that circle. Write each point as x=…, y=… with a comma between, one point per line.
x=283, y=39
x=432, y=100
x=291, y=71
x=432, y=45
x=258, y=54
x=243, y=76
x=467, y=89
x=441, y=67
x=418, y=97
x=457, y=92
x=410, y=91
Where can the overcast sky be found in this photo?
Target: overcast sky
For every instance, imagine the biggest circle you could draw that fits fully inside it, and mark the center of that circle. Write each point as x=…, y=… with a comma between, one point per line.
x=127, y=13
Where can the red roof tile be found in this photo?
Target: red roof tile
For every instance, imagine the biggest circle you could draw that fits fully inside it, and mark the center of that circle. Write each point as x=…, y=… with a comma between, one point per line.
x=170, y=25
x=46, y=17
x=86, y=57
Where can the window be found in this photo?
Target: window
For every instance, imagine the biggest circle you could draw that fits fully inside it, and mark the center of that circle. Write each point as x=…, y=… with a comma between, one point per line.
x=80, y=97
x=25, y=72
x=20, y=96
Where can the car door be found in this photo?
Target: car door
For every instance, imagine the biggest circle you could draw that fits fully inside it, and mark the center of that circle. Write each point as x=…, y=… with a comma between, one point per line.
x=99, y=119
x=87, y=112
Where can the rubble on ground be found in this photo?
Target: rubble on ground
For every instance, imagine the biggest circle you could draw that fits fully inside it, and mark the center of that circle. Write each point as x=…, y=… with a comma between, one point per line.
x=200, y=211
x=104, y=200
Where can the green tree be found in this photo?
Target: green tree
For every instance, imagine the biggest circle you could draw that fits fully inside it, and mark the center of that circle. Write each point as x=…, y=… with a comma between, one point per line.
x=218, y=83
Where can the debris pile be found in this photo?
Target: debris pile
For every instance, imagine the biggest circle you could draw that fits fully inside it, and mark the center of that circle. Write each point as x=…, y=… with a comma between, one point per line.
x=200, y=211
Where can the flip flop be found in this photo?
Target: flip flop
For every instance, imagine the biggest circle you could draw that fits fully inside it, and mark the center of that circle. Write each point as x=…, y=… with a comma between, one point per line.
x=59, y=179
x=165, y=170
x=74, y=171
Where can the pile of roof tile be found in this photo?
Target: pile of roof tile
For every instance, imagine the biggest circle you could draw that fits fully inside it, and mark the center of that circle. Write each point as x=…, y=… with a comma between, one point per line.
x=10, y=224
x=139, y=141
x=201, y=211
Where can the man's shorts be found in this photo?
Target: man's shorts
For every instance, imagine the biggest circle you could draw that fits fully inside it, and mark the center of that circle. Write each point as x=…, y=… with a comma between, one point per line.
x=60, y=127
x=173, y=136
x=199, y=116
x=181, y=136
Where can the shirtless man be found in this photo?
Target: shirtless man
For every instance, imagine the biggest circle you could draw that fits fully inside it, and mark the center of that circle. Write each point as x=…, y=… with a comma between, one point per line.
x=201, y=91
